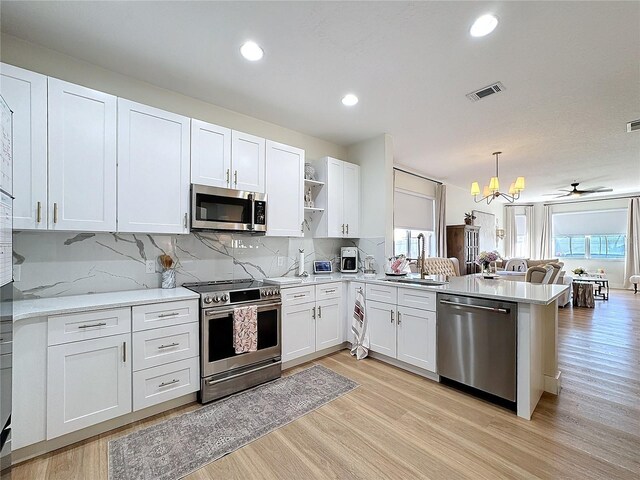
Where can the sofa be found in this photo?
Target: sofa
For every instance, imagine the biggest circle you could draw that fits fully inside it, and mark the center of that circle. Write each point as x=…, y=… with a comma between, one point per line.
x=562, y=278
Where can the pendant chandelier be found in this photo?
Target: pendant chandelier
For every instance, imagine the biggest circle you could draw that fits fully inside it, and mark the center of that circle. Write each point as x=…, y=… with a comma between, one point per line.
x=492, y=191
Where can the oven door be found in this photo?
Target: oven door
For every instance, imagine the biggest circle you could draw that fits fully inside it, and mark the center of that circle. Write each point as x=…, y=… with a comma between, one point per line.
x=215, y=208
x=217, y=354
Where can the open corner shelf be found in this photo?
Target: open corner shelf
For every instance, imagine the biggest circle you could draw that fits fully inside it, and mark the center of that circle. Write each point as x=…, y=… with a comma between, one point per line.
x=309, y=209
x=313, y=183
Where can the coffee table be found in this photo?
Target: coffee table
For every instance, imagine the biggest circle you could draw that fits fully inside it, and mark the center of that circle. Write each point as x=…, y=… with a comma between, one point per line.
x=601, y=285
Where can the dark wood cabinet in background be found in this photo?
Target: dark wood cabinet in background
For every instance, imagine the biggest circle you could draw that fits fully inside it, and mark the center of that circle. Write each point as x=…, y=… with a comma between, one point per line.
x=463, y=242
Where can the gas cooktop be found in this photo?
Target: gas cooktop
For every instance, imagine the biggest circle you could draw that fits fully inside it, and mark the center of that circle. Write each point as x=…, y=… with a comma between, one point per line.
x=231, y=292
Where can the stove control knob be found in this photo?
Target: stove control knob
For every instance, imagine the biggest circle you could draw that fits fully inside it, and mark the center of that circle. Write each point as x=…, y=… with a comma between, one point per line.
x=207, y=299
x=225, y=297
x=265, y=293
x=276, y=292
x=216, y=299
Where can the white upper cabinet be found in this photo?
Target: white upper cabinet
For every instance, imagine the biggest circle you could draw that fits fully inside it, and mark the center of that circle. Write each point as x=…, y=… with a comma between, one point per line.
x=82, y=158
x=26, y=94
x=285, y=190
x=340, y=199
x=248, y=162
x=210, y=154
x=153, y=169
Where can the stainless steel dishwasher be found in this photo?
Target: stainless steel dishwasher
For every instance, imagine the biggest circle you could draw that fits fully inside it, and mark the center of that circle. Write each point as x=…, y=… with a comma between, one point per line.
x=477, y=343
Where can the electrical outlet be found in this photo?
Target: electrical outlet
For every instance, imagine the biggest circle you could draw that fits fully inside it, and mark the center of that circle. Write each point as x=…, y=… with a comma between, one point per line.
x=280, y=261
x=151, y=266
x=17, y=273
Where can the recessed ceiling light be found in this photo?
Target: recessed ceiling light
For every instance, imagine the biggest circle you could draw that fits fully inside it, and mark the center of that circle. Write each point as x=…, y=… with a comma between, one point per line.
x=483, y=25
x=349, y=100
x=251, y=51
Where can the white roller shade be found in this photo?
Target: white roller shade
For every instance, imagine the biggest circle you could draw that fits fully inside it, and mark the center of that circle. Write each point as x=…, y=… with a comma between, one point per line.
x=600, y=222
x=413, y=211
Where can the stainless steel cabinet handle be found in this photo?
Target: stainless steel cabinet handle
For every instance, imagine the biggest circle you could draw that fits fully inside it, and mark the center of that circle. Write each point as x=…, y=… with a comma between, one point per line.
x=360, y=290
x=343, y=228
x=391, y=316
x=347, y=229
x=319, y=312
x=55, y=213
x=173, y=314
x=39, y=212
x=228, y=176
x=90, y=325
x=124, y=352
x=313, y=313
x=164, y=384
x=235, y=178
x=330, y=291
x=300, y=296
x=479, y=307
x=399, y=318
x=186, y=218
x=174, y=344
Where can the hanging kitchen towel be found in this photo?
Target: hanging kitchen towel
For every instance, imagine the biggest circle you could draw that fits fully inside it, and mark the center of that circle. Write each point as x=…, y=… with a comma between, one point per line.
x=359, y=328
x=245, y=329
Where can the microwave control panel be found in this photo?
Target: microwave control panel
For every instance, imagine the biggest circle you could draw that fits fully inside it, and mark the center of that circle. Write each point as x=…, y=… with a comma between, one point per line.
x=261, y=217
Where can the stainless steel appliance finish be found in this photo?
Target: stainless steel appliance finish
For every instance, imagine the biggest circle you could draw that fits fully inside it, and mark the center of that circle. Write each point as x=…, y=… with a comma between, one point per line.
x=6, y=285
x=349, y=260
x=477, y=342
x=224, y=209
x=222, y=371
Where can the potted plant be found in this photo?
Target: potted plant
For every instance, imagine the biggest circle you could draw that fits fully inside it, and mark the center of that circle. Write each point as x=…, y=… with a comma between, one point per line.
x=469, y=218
x=579, y=271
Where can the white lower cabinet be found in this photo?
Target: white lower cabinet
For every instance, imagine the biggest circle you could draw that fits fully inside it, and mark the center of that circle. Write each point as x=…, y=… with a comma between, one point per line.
x=404, y=333
x=88, y=382
x=311, y=326
x=165, y=382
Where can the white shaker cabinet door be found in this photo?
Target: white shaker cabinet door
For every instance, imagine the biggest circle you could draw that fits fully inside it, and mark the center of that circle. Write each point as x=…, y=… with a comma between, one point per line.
x=153, y=169
x=417, y=337
x=26, y=94
x=298, y=331
x=351, y=200
x=335, y=198
x=88, y=382
x=285, y=190
x=82, y=158
x=210, y=154
x=329, y=323
x=248, y=162
x=381, y=318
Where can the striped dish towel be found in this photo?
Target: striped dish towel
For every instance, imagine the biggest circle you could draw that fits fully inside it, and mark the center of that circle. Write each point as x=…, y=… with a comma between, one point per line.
x=359, y=328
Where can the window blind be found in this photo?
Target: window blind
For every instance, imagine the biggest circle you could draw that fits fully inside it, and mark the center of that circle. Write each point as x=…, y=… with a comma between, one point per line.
x=596, y=222
x=413, y=211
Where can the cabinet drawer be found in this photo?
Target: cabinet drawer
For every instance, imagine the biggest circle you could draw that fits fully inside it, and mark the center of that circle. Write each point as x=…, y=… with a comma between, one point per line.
x=382, y=293
x=165, y=345
x=414, y=298
x=165, y=382
x=88, y=325
x=298, y=295
x=328, y=290
x=146, y=317
x=6, y=343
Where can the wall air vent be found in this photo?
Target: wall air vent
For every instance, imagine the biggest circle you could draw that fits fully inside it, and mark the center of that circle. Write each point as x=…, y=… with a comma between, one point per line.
x=485, y=92
x=633, y=126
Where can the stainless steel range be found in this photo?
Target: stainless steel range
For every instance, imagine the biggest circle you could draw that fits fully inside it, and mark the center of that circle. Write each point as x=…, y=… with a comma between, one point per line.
x=222, y=371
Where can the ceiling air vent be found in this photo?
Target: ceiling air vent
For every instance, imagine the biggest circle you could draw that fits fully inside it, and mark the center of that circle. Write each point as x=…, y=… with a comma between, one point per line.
x=633, y=126
x=485, y=92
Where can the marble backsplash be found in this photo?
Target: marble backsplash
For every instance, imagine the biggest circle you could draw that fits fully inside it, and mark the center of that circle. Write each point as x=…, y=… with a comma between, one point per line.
x=63, y=263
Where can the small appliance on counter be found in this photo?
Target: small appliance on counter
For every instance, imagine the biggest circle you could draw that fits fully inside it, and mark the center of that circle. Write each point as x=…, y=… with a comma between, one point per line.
x=349, y=260
x=322, y=266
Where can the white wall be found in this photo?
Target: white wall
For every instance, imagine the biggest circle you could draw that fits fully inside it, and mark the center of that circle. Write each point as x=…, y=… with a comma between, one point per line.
x=39, y=59
x=613, y=268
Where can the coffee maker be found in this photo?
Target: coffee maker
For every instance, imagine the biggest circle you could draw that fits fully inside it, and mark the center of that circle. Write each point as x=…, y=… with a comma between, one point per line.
x=349, y=260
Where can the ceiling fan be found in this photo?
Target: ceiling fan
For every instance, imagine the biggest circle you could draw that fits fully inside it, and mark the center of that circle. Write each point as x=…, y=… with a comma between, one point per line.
x=576, y=192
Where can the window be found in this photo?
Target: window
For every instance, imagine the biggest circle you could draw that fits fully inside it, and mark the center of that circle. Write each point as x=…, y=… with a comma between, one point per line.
x=405, y=242
x=522, y=245
x=596, y=234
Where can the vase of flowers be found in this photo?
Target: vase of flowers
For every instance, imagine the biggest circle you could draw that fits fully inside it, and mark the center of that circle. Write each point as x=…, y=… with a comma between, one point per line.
x=486, y=258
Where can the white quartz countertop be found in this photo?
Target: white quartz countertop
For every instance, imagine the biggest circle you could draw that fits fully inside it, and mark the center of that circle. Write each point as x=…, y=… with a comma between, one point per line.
x=23, y=309
x=469, y=285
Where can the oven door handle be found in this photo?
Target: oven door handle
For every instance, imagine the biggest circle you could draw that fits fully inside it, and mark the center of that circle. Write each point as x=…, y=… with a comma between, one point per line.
x=215, y=312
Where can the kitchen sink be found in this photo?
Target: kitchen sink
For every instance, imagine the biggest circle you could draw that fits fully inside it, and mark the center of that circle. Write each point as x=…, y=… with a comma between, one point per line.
x=417, y=281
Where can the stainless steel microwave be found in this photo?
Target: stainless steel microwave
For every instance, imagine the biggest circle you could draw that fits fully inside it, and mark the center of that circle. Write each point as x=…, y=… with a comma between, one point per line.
x=224, y=209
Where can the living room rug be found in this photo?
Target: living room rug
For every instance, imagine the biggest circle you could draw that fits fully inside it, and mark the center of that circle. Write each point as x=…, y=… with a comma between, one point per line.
x=178, y=446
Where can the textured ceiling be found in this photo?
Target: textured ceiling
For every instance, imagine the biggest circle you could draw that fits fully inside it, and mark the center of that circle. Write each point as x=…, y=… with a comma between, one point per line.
x=571, y=72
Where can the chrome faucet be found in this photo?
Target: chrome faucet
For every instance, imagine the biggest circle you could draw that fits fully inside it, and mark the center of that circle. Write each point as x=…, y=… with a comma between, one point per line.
x=421, y=257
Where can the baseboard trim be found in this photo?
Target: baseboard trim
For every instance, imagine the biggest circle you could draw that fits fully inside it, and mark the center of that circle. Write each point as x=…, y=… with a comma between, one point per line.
x=314, y=356
x=405, y=366
x=46, y=446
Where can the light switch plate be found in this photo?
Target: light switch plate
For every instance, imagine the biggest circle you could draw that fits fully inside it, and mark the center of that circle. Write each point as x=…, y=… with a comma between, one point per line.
x=151, y=266
x=280, y=261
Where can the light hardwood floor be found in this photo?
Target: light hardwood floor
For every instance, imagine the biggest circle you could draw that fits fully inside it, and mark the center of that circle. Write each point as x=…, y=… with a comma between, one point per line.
x=399, y=426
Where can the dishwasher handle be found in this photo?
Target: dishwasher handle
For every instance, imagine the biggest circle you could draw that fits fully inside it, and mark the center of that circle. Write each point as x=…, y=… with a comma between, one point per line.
x=479, y=307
